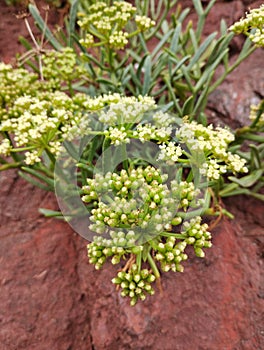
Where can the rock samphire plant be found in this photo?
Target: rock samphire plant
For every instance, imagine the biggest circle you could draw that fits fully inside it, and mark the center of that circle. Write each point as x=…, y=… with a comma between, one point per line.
x=112, y=117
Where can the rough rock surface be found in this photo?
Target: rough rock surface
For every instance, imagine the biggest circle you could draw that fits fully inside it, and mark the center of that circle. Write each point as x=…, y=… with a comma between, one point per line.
x=51, y=298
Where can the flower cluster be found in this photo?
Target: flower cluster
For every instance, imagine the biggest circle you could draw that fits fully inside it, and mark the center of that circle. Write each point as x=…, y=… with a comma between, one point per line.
x=122, y=114
x=124, y=110
x=131, y=211
x=170, y=254
x=137, y=198
x=146, y=132
x=40, y=124
x=118, y=40
x=186, y=194
x=197, y=235
x=213, y=142
x=14, y=83
x=60, y=67
x=5, y=147
x=144, y=22
x=170, y=152
x=115, y=245
x=135, y=283
x=252, y=25
x=105, y=25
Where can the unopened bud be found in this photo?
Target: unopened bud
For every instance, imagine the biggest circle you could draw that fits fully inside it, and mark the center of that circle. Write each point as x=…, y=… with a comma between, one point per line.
x=176, y=221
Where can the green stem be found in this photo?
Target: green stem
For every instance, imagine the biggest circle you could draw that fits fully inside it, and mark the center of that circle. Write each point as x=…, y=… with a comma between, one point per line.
x=139, y=261
x=124, y=157
x=22, y=149
x=175, y=235
x=10, y=166
x=153, y=266
x=51, y=157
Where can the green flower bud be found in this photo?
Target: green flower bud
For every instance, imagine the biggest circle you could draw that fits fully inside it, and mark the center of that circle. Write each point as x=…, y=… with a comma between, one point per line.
x=133, y=300
x=120, y=250
x=128, y=277
x=151, y=278
x=131, y=293
x=161, y=247
x=179, y=268
x=116, y=280
x=134, y=268
x=144, y=273
x=178, y=259
x=142, y=296
x=169, y=245
x=184, y=256
x=138, y=290
x=176, y=251
x=190, y=240
x=151, y=291
x=97, y=253
x=124, y=284
x=166, y=267
x=207, y=244
x=115, y=259
x=92, y=260
x=124, y=293
x=136, y=250
x=137, y=278
x=132, y=285
x=169, y=256
x=200, y=243
x=141, y=284
x=121, y=274
x=101, y=260
x=97, y=266
x=118, y=185
x=199, y=252
x=156, y=198
x=181, y=245
x=147, y=287
x=159, y=257
x=176, y=221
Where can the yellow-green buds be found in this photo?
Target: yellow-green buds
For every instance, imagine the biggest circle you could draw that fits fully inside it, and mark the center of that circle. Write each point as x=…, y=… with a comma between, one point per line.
x=135, y=283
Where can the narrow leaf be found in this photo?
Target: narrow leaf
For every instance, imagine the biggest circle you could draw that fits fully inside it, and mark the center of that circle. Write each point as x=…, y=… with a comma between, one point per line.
x=73, y=15
x=161, y=43
x=249, y=180
x=147, y=76
x=201, y=50
x=43, y=27
x=34, y=182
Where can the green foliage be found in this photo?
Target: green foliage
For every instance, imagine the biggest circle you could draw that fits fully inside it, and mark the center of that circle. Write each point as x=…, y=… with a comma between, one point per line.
x=179, y=71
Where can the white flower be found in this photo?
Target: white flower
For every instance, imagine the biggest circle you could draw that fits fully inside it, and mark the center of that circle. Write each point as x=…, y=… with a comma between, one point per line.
x=32, y=157
x=118, y=40
x=144, y=22
x=5, y=147
x=169, y=152
x=213, y=170
x=117, y=135
x=236, y=163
